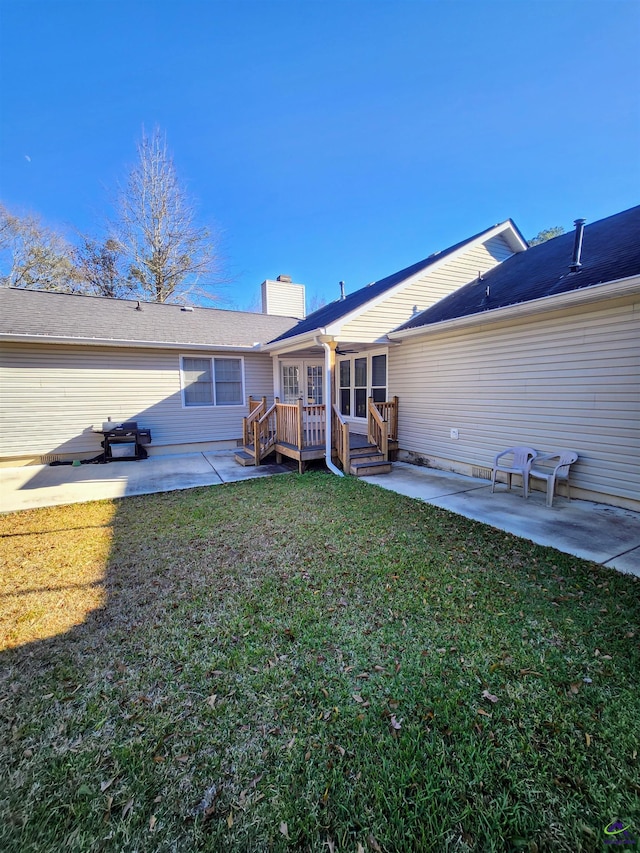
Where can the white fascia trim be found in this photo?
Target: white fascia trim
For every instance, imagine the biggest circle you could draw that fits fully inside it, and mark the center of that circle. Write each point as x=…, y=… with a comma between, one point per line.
x=294, y=342
x=594, y=293
x=501, y=228
x=109, y=342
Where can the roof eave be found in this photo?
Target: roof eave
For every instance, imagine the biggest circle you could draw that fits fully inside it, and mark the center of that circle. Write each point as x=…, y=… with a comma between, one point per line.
x=109, y=342
x=593, y=293
x=293, y=342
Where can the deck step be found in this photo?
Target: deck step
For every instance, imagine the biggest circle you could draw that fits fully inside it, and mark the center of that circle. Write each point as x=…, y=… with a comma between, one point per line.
x=365, y=450
x=244, y=458
x=371, y=466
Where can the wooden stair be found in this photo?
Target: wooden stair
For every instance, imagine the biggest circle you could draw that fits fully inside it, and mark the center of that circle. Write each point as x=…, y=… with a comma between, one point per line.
x=368, y=460
x=246, y=456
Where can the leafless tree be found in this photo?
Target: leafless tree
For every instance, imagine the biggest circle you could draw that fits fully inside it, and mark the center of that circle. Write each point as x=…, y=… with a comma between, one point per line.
x=34, y=256
x=167, y=254
x=99, y=265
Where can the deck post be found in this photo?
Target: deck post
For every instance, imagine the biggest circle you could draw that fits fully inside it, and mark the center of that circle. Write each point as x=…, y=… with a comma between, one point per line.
x=300, y=425
x=256, y=441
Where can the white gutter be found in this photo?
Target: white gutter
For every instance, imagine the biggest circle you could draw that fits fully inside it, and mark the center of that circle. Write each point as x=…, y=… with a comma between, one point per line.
x=112, y=342
x=328, y=408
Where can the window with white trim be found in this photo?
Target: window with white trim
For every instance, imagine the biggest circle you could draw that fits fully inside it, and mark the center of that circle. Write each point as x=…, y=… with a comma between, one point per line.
x=212, y=381
x=361, y=377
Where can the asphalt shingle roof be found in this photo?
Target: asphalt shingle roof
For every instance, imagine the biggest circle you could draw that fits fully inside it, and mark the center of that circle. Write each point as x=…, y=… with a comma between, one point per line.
x=342, y=307
x=62, y=315
x=610, y=251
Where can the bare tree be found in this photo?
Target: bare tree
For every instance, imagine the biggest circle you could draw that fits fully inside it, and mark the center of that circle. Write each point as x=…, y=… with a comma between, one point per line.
x=167, y=254
x=34, y=256
x=99, y=265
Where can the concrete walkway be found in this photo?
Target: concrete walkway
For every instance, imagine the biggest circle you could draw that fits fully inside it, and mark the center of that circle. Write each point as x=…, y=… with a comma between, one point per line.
x=605, y=534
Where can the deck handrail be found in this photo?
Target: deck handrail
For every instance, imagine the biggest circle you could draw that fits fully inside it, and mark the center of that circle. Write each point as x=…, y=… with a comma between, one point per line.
x=265, y=433
x=378, y=429
x=340, y=433
x=256, y=409
x=299, y=425
x=389, y=412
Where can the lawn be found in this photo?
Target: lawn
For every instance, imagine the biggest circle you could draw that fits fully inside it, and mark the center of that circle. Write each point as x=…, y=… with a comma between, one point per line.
x=309, y=663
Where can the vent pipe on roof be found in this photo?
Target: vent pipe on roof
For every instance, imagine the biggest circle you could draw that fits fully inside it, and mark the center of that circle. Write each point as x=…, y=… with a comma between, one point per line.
x=577, y=245
x=342, y=293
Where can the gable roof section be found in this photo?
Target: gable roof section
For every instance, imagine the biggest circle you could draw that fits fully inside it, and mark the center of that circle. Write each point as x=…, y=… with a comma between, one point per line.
x=47, y=316
x=342, y=308
x=610, y=252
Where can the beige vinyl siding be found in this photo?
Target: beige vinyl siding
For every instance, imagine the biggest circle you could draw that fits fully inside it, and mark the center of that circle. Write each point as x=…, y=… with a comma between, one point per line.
x=429, y=288
x=52, y=395
x=283, y=298
x=568, y=379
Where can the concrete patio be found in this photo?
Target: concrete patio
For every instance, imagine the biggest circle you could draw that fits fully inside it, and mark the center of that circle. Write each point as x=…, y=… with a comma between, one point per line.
x=597, y=532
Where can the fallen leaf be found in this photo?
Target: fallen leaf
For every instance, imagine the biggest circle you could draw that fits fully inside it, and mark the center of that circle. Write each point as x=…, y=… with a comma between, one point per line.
x=483, y=712
x=216, y=673
x=152, y=822
x=284, y=829
x=395, y=724
x=489, y=696
x=127, y=808
x=107, y=808
x=378, y=668
x=340, y=749
x=373, y=844
x=211, y=700
x=358, y=698
x=360, y=848
x=182, y=758
x=587, y=739
x=108, y=784
x=230, y=820
x=331, y=845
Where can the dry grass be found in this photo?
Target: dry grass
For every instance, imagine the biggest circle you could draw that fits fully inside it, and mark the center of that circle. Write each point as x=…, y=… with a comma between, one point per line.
x=54, y=564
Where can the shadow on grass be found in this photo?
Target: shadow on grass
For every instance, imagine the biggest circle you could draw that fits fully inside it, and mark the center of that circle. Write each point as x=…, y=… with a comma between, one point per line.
x=302, y=661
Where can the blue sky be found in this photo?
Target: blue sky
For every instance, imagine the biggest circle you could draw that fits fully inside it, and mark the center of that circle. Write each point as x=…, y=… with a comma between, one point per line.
x=326, y=140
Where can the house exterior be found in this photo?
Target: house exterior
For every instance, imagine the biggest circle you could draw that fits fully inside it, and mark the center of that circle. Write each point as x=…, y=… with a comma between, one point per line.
x=69, y=363
x=486, y=344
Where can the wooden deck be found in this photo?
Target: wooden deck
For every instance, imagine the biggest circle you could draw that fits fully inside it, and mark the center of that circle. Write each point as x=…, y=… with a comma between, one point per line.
x=297, y=431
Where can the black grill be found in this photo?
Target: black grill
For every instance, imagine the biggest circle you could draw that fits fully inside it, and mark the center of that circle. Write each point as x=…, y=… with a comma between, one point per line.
x=125, y=441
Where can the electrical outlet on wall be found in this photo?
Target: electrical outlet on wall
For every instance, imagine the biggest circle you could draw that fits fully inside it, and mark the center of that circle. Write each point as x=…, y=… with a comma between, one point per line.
x=454, y=433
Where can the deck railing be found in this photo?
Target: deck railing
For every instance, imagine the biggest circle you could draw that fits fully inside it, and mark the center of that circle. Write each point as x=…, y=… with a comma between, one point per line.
x=389, y=412
x=302, y=427
x=299, y=425
x=292, y=424
x=377, y=429
x=264, y=433
x=340, y=437
x=257, y=408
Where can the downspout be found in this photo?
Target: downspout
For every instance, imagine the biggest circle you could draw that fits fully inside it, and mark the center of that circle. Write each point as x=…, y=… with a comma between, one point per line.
x=328, y=408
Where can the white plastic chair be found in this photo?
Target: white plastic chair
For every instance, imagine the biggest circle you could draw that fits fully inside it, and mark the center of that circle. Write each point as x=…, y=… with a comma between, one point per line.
x=520, y=463
x=559, y=472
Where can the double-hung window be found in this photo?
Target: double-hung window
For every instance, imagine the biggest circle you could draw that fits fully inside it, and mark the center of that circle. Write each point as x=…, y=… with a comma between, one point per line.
x=212, y=381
